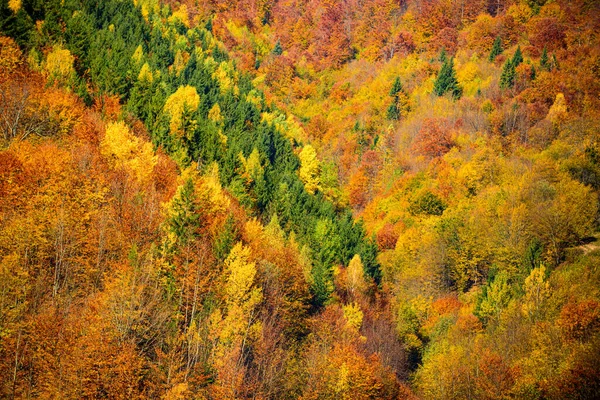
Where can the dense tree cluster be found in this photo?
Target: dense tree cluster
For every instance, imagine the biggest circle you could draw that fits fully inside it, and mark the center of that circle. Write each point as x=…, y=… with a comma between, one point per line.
x=299, y=199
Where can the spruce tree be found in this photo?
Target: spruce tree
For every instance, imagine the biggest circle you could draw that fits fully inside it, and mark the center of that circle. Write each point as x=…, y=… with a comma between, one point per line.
x=507, y=78
x=518, y=57
x=544, y=61
x=278, y=50
x=393, y=112
x=443, y=57
x=496, y=49
x=396, y=87
x=447, y=82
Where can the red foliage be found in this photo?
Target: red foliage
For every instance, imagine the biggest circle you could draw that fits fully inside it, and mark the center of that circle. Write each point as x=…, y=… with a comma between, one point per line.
x=387, y=237
x=434, y=138
x=579, y=319
x=547, y=32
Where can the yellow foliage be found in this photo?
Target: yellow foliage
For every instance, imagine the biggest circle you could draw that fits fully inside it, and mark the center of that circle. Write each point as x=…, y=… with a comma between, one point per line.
x=521, y=12
x=468, y=76
x=145, y=74
x=225, y=75
x=558, y=112
x=180, y=15
x=353, y=315
x=14, y=5
x=219, y=201
x=309, y=169
x=242, y=296
x=214, y=114
x=254, y=98
x=138, y=54
x=355, y=279
x=252, y=166
x=124, y=150
x=181, y=59
x=537, y=289
x=59, y=63
x=185, y=98
x=9, y=55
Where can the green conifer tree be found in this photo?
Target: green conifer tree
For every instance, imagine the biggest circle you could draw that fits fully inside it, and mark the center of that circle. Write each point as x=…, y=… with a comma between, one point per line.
x=447, y=82
x=396, y=87
x=278, y=50
x=496, y=49
x=507, y=78
x=544, y=60
x=518, y=57
x=443, y=57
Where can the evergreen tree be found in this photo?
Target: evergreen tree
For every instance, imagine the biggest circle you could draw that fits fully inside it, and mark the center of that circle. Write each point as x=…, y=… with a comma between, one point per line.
x=517, y=58
x=544, y=60
x=393, y=111
x=554, y=62
x=278, y=50
x=507, y=78
x=184, y=220
x=396, y=88
x=443, y=56
x=447, y=82
x=496, y=49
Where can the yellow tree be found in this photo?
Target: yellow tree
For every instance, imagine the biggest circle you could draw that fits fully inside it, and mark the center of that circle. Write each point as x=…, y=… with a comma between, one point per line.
x=309, y=169
x=240, y=326
x=125, y=151
x=179, y=105
x=59, y=64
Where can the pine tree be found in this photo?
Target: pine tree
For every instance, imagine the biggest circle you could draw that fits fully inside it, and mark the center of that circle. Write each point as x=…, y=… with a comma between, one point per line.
x=544, y=61
x=278, y=50
x=496, y=49
x=396, y=88
x=443, y=57
x=518, y=57
x=447, y=82
x=393, y=111
x=554, y=62
x=507, y=78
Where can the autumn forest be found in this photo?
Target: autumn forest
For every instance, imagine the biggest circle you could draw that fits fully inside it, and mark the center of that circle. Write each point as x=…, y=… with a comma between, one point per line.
x=299, y=199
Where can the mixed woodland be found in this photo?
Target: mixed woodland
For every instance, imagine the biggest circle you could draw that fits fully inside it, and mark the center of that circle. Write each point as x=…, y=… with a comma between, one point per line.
x=307, y=199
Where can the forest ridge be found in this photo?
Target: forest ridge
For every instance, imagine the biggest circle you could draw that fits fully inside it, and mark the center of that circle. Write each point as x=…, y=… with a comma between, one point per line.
x=307, y=199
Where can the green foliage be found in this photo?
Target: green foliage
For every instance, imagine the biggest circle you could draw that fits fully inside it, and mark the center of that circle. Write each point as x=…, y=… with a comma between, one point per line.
x=396, y=87
x=446, y=81
x=225, y=240
x=443, y=58
x=278, y=50
x=184, y=220
x=393, y=112
x=507, y=78
x=496, y=49
x=544, y=60
x=518, y=57
x=428, y=204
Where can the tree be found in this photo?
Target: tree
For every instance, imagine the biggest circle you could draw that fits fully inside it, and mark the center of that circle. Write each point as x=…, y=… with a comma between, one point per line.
x=496, y=49
x=309, y=169
x=399, y=101
x=180, y=105
x=278, y=50
x=446, y=81
x=518, y=57
x=507, y=78
x=544, y=60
